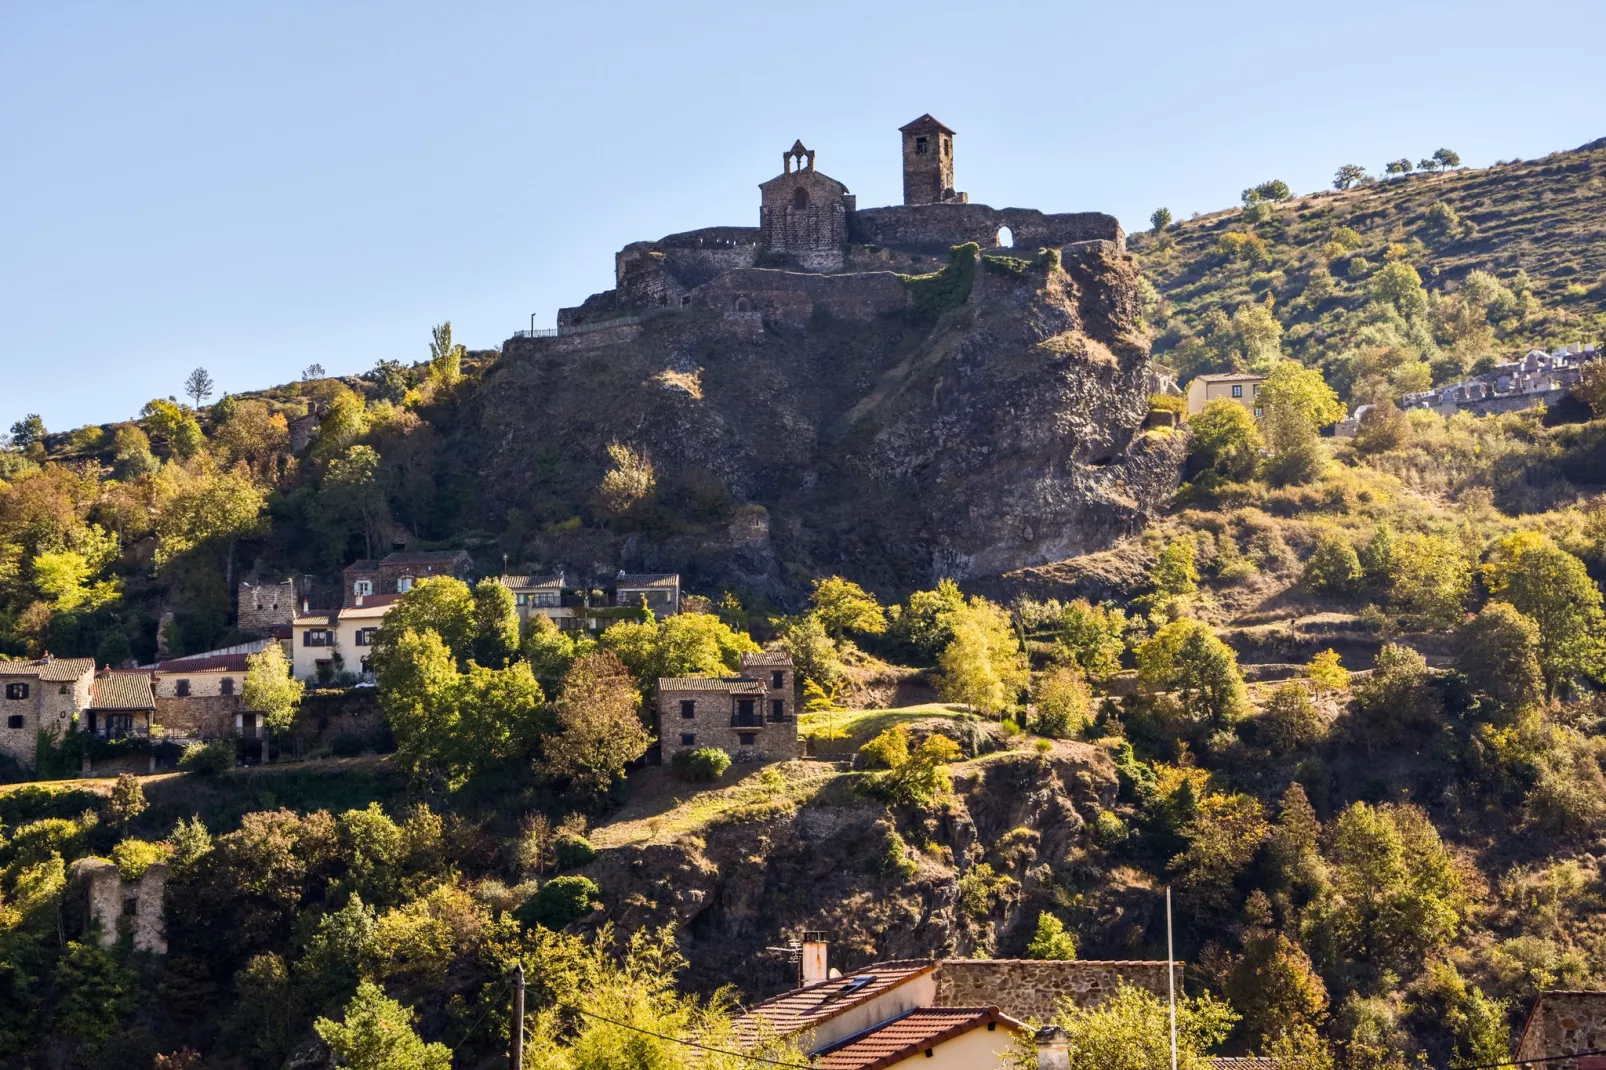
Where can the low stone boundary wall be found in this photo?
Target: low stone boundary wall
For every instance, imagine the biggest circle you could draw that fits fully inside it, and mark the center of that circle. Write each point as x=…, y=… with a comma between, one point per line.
x=1030, y=988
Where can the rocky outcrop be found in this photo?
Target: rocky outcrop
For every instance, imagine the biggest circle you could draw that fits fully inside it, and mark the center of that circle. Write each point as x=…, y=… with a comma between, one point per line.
x=731, y=886
x=897, y=431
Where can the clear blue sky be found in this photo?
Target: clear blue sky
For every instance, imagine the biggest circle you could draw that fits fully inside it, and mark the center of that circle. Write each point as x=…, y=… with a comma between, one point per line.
x=255, y=187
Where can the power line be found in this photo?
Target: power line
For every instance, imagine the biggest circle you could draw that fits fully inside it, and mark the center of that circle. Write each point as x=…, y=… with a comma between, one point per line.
x=1530, y=1062
x=689, y=1043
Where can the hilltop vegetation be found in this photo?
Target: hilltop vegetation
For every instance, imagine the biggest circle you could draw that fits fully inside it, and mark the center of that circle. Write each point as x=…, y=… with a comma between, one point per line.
x=1509, y=256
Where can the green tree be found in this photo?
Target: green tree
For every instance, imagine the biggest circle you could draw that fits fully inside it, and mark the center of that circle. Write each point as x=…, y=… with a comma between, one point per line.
x=270, y=689
x=686, y=644
x=1272, y=983
x=1401, y=166
x=351, y=495
x=599, y=730
x=97, y=991
x=1430, y=578
x=126, y=802
x=27, y=431
x=439, y=604
x=1093, y=636
x=1050, y=941
x=1062, y=698
x=843, y=606
x=1398, y=286
x=550, y=651
x=912, y=777
x=1551, y=587
x=1289, y=720
x=1186, y=657
x=495, y=625
x=445, y=355
x=1349, y=175
x=1160, y=220
x=628, y=482
x=1224, y=441
x=377, y=1033
x=1396, y=894
x=1274, y=190
x=925, y=621
x=198, y=386
x=815, y=657
x=343, y=421
x=1296, y=404
x=1222, y=837
x=983, y=666
x=1333, y=566
x=211, y=507
x=1174, y=573
x=1130, y=1030
x=175, y=427
x=1446, y=158
x=1498, y=652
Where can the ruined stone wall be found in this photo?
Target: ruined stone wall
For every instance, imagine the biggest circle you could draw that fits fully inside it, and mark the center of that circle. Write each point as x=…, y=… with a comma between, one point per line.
x=793, y=296
x=323, y=718
x=266, y=605
x=1028, y=988
x=1562, y=1023
x=110, y=899
x=935, y=227
x=197, y=717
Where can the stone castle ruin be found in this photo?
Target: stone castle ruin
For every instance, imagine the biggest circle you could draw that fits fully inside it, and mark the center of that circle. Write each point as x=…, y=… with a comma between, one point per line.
x=808, y=223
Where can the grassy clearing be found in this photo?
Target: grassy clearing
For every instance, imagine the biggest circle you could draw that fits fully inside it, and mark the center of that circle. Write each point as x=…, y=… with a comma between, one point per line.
x=860, y=726
x=676, y=810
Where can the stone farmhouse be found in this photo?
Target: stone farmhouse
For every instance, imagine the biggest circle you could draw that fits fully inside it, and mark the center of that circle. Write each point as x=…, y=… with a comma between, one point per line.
x=198, y=696
x=943, y=1014
x=46, y=694
x=793, y=262
x=752, y=716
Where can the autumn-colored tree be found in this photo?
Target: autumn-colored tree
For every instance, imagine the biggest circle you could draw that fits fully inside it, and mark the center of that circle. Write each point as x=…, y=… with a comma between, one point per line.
x=843, y=606
x=599, y=727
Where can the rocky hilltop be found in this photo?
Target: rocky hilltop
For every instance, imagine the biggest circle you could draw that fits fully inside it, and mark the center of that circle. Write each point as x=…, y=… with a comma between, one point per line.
x=899, y=427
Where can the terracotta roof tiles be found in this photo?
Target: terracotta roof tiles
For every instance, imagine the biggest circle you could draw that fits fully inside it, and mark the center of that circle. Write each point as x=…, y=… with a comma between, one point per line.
x=925, y=1027
x=804, y=1008
x=122, y=691
x=54, y=670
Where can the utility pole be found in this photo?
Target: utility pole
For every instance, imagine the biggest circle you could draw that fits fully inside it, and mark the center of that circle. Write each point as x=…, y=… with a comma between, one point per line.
x=1170, y=978
x=515, y=1057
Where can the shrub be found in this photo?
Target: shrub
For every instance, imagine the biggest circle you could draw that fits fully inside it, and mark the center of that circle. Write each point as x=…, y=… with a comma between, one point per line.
x=1062, y=699
x=1289, y=720
x=573, y=850
x=348, y=744
x=1109, y=831
x=1051, y=941
x=703, y=765
x=560, y=902
x=134, y=857
x=1333, y=567
x=208, y=759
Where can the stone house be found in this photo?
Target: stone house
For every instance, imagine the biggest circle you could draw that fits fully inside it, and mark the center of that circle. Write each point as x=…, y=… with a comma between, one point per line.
x=943, y=1012
x=546, y=596
x=751, y=716
x=46, y=694
x=1563, y=1023
x=396, y=573
x=1241, y=387
x=122, y=706
x=661, y=591
x=198, y=696
x=803, y=214
x=324, y=644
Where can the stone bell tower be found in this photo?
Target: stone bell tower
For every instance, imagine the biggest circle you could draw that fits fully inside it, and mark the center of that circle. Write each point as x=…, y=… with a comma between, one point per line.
x=928, y=163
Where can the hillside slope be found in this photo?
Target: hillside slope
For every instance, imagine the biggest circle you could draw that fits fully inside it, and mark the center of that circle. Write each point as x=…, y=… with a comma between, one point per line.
x=1535, y=225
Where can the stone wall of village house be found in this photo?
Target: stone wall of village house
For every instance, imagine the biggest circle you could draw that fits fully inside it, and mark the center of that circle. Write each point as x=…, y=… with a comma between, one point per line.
x=711, y=727
x=1565, y=1022
x=50, y=705
x=1028, y=988
x=197, y=717
x=202, y=684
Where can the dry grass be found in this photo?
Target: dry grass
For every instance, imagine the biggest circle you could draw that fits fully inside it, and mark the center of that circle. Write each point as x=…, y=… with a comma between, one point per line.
x=663, y=810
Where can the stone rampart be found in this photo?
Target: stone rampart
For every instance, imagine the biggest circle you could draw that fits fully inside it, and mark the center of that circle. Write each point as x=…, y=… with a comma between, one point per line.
x=1029, y=988
x=934, y=228
x=794, y=296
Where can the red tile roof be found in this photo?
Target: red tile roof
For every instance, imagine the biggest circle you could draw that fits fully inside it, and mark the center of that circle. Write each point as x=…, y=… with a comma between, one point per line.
x=54, y=670
x=908, y=1035
x=805, y=1008
x=122, y=691
x=206, y=663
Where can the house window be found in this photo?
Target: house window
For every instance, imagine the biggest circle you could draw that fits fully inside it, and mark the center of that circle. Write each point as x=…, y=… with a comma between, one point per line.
x=404, y=585
x=685, y=301
x=777, y=680
x=777, y=710
x=688, y=739
x=119, y=725
x=16, y=720
x=688, y=709
x=317, y=637
x=366, y=664
x=363, y=587
x=746, y=739
x=62, y=690
x=227, y=686
x=521, y=599
x=1259, y=412
x=15, y=691
x=365, y=636
x=920, y=146
x=182, y=688
x=1237, y=391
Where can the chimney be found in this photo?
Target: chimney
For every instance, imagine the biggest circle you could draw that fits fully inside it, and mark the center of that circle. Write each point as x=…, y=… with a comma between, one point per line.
x=306, y=606
x=815, y=969
x=359, y=601
x=1053, y=1048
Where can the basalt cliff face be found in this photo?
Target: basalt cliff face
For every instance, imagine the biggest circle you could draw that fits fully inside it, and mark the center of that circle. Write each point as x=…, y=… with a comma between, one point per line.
x=894, y=428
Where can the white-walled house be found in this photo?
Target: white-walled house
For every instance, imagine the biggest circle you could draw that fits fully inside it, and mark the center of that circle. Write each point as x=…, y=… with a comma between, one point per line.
x=326, y=644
